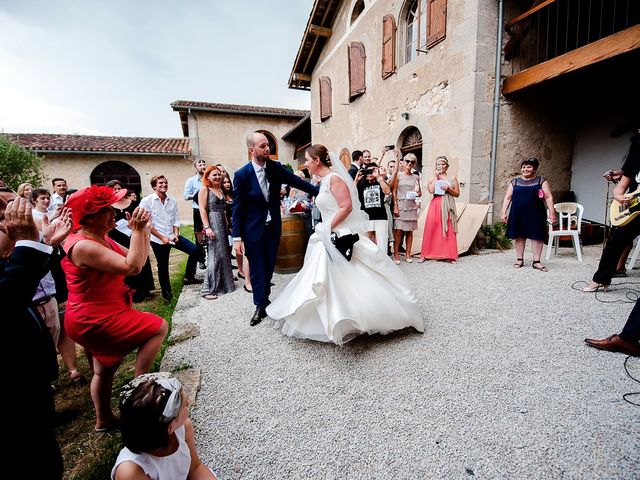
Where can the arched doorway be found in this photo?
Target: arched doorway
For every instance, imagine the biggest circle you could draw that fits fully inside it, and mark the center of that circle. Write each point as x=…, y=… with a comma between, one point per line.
x=411, y=142
x=273, y=145
x=115, y=170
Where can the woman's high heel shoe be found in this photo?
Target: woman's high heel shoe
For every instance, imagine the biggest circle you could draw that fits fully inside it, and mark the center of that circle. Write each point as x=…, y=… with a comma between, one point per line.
x=594, y=287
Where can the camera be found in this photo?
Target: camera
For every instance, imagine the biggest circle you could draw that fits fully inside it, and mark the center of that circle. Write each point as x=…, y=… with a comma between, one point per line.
x=367, y=171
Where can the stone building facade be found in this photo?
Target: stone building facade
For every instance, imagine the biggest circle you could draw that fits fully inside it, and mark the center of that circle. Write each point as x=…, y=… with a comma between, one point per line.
x=83, y=160
x=217, y=132
x=420, y=75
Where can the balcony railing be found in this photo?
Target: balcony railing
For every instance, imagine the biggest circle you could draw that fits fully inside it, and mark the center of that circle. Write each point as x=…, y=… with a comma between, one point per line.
x=556, y=27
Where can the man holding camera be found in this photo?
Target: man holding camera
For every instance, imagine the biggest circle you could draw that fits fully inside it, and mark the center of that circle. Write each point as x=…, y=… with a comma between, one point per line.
x=372, y=189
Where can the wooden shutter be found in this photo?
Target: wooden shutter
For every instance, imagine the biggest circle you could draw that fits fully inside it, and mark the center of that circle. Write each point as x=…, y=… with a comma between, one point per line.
x=388, y=45
x=325, y=97
x=345, y=158
x=436, y=21
x=357, y=59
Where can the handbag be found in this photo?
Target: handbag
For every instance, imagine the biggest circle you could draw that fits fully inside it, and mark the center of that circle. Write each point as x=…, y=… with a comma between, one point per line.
x=344, y=244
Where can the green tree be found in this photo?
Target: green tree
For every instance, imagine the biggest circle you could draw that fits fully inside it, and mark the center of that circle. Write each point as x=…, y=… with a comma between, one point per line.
x=19, y=165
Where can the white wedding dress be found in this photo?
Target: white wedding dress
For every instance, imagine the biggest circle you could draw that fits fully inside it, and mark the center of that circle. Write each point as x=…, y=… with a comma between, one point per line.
x=335, y=300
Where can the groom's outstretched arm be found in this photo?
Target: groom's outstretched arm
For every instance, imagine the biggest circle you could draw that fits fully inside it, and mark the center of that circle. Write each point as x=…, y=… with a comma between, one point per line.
x=295, y=181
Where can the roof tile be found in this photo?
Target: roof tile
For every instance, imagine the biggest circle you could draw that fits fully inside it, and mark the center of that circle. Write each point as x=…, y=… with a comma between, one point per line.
x=241, y=109
x=48, y=142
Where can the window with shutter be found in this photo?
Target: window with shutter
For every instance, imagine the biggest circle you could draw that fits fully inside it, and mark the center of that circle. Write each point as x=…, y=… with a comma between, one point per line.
x=415, y=28
x=388, y=45
x=325, y=98
x=424, y=25
x=436, y=21
x=357, y=59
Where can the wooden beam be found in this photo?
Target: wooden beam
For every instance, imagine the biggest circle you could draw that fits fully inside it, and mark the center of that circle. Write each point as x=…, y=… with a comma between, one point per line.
x=301, y=77
x=528, y=13
x=320, y=31
x=611, y=46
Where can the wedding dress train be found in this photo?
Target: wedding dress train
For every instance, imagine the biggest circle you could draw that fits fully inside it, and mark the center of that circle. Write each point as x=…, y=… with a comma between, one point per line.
x=334, y=300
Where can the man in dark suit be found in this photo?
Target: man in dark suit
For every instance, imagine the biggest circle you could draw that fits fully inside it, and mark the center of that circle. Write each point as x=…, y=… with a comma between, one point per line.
x=23, y=262
x=256, y=216
x=357, y=161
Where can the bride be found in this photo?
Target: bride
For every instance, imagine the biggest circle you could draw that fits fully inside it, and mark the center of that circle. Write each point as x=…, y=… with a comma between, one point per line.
x=332, y=299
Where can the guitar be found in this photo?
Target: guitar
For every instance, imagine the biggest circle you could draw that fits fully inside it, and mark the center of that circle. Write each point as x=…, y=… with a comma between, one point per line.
x=620, y=215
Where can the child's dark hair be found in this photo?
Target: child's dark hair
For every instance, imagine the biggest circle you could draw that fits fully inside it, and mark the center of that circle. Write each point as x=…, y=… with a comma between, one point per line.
x=142, y=424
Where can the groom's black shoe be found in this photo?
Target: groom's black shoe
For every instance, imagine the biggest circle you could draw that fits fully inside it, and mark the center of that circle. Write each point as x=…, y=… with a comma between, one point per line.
x=258, y=315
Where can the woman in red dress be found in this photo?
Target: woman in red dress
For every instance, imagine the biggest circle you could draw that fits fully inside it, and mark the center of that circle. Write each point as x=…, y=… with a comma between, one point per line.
x=99, y=315
x=439, y=240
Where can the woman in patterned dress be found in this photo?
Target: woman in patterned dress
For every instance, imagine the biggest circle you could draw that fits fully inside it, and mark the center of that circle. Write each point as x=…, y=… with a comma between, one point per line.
x=406, y=190
x=218, y=278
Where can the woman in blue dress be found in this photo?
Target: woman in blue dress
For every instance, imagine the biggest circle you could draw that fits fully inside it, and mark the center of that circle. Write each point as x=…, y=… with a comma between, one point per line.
x=530, y=197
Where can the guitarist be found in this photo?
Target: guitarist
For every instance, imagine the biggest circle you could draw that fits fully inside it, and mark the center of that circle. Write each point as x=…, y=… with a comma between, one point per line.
x=623, y=236
x=615, y=176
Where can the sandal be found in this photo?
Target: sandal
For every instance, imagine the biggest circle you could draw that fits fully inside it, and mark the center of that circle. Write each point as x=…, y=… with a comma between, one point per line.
x=540, y=266
x=210, y=296
x=594, y=287
x=422, y=260
x=107, y=427
x=76, y=377
x=519, y=263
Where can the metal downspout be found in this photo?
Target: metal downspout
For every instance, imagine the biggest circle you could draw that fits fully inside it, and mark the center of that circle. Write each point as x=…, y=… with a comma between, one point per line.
x=496, y=111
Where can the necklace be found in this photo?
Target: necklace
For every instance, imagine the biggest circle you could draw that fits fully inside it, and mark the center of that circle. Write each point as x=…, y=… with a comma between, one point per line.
x=102, y=241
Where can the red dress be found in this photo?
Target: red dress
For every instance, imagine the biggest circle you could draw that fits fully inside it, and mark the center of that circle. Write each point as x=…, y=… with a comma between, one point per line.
x=99, y=315
x=434, y=245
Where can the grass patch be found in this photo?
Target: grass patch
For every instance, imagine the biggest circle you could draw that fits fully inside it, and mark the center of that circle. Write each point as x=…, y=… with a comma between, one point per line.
x=88, y=455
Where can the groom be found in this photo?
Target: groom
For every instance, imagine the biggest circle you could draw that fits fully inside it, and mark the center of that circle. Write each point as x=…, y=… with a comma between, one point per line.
x=256, y=216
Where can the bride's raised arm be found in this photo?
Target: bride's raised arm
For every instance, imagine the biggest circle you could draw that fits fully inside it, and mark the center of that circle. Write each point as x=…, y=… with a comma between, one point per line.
x=341, y=193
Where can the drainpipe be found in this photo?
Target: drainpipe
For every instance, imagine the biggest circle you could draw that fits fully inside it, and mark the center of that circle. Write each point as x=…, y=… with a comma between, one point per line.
x=496, y=111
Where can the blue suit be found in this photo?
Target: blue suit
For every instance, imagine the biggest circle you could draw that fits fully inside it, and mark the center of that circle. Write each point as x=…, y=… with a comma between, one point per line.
x=249, y=221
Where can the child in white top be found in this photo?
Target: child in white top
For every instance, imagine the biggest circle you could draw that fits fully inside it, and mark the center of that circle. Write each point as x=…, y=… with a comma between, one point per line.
x=157, y=432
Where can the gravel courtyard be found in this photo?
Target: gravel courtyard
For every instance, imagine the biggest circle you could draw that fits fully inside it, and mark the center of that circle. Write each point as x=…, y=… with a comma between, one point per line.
x=500, y=385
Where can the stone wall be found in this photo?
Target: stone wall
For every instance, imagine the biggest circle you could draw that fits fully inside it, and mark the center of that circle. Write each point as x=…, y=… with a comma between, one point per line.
x=221, y=138
x=447, y=93
x=77, y=169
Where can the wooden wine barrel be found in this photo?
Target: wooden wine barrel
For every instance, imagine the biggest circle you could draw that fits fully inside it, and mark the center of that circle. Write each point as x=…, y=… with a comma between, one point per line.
x=293, y=243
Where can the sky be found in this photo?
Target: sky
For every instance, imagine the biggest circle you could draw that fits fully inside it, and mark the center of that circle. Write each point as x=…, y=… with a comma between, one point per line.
x=113, y=67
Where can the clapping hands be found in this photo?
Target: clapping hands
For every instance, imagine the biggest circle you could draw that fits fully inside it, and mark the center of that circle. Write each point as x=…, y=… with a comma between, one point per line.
x=140, y=220
x=54, y=232
x=18, y=221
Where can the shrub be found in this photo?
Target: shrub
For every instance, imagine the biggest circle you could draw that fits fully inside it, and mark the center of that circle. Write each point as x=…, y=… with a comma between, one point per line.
x=19, y=165
x=496, y=236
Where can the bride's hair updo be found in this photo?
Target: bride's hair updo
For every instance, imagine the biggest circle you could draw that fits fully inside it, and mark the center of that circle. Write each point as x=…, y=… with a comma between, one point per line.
x=321, y=152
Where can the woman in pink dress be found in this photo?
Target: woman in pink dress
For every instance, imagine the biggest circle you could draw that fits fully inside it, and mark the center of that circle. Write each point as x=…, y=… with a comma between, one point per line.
x=439, y=239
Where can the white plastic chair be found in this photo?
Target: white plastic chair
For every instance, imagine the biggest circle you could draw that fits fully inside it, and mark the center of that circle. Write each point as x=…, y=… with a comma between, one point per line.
x=569, y=224
x=634, y=256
